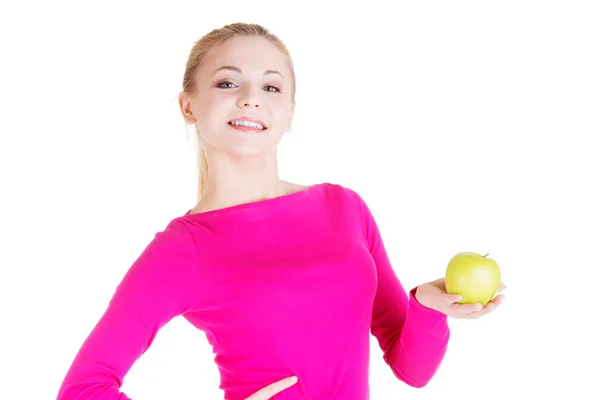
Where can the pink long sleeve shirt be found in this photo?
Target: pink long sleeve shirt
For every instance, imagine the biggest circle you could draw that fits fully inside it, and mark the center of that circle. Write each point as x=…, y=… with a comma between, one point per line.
x=287, y=286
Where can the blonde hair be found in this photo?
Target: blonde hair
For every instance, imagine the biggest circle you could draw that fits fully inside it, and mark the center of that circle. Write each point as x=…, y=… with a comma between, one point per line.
x=201, y=47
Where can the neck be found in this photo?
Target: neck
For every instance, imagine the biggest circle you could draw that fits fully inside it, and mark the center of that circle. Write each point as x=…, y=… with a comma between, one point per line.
x=241, y=180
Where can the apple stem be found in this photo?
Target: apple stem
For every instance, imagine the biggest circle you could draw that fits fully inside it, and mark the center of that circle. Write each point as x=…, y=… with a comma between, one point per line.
x=486, y=255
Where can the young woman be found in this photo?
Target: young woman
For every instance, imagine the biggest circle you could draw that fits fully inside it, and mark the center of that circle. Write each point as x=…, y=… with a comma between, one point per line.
x=286, y=280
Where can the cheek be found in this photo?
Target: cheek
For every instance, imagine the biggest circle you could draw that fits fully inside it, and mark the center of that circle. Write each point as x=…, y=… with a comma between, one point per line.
x=279, y=109
x=211, y=111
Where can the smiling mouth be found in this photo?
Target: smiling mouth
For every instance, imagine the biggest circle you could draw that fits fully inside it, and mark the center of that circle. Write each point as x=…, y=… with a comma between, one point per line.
x=246, y=125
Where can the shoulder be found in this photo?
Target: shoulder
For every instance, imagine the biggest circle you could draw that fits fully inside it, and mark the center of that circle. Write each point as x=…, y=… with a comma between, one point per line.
x=169, y=261
x=331, y=190
x=166, y=269
x=342, y=193
x=175, y=233
x=345, y=200
x=173, y=245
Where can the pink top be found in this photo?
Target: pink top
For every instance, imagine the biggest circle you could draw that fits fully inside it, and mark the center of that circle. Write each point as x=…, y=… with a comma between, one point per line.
x=285, y=286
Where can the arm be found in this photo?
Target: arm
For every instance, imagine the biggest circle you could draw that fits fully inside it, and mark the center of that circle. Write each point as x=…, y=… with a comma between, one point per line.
x=413, y=337
x=161, y=284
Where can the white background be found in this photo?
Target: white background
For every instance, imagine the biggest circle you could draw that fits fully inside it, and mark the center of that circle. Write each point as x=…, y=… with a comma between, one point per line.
x=466, y=125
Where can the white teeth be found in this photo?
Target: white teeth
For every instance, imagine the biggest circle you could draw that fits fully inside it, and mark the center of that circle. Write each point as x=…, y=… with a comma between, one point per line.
x=249, y=124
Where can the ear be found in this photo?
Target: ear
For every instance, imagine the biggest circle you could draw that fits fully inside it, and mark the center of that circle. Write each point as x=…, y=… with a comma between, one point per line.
x=289, y=124
x=185, y=108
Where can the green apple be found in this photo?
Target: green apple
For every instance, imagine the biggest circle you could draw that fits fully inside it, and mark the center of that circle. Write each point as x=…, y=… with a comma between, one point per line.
x=475, y=277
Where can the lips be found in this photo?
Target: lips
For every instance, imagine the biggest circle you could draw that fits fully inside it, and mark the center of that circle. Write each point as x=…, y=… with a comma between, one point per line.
x=248, y=122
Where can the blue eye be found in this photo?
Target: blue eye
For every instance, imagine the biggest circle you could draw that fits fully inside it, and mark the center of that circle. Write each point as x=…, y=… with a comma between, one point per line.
x=271, y=87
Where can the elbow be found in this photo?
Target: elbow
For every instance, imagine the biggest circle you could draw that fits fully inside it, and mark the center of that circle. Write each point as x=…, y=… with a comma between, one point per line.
x=416, y=368
x=90, y=391
x=72, y=392
x=416, y=382
x=66, y=393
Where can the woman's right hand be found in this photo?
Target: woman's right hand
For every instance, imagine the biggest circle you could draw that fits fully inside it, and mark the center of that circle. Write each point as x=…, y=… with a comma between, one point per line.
x=269, y=391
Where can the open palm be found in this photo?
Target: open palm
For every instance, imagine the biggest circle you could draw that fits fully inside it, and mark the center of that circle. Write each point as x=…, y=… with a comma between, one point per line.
x=433, y=295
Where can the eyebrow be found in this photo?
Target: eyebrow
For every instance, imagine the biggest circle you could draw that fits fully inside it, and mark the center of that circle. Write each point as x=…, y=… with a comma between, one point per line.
x=236, y=69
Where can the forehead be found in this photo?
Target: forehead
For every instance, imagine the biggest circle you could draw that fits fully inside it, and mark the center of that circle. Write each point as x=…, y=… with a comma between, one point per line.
x=247, y=53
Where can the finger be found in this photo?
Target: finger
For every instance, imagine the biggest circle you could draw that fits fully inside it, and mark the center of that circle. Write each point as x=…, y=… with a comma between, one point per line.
x=502, y=287
x=479, y=314
x=488, y=308
x=452, y=298
x=269, y=391
x=498, y=300
x=467, y=308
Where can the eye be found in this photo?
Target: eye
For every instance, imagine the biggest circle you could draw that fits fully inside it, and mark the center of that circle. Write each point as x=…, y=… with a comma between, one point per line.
x=222, y=85
x=271, y=89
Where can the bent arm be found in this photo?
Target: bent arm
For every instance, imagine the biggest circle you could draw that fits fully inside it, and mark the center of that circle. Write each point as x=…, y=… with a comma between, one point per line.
x=413, y=337
x=161, y=284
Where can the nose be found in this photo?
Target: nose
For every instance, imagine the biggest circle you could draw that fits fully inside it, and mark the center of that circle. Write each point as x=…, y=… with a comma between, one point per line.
x=249, y=98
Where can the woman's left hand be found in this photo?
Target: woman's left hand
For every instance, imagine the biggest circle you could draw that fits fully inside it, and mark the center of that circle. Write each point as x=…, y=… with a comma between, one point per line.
x=433, y=295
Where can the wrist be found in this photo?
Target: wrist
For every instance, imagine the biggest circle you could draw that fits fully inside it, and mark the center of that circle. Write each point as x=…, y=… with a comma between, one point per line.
x=422, y=297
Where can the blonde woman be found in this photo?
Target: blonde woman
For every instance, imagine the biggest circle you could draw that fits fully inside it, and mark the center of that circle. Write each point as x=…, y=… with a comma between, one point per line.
x=286, y=280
